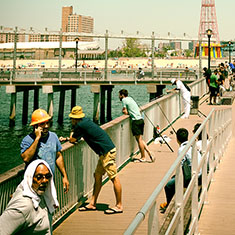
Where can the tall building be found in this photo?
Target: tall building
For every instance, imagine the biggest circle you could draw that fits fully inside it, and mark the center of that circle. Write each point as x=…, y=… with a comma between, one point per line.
x=66, y=11
x=76, y=23
x=73, y=21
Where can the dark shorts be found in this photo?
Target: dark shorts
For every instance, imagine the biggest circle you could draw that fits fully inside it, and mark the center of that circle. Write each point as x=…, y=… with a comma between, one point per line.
x=213, y=91
x=137, y=127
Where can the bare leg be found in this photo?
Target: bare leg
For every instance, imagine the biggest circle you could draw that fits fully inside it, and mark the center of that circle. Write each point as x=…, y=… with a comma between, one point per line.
x=141, y=145
x=118, y=192
x=96, y=190
x=146, y=148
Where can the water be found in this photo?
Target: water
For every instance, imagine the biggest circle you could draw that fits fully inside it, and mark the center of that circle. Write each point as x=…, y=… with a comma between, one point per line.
x=10, y=138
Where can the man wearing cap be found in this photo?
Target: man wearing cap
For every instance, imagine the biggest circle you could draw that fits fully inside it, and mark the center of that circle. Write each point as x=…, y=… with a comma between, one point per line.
x=43, y=144
x=185, y=93
x=102, y=145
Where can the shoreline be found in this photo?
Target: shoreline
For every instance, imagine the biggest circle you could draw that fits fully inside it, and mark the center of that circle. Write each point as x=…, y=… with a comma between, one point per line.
x=123, y=62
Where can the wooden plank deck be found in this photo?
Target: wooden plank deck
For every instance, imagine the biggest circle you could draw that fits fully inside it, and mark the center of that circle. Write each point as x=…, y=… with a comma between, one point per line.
x=138, y=182
x=217, y=217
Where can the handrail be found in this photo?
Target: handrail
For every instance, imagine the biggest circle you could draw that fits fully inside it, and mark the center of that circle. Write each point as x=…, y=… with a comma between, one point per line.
x=222, y=128
x=80, y=160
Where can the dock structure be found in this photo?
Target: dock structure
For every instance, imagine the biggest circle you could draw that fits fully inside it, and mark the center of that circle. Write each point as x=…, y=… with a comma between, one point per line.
x=140, y=179
x=51, y=82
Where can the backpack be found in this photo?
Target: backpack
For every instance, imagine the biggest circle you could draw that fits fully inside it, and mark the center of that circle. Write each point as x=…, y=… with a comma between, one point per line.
x=186, y=168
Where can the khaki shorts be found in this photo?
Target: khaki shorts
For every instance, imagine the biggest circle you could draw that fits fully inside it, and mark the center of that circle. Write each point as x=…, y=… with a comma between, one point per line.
x=107, y=164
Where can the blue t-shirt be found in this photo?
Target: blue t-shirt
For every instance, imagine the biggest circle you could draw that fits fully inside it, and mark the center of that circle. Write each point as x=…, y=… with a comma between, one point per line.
x=47, y=148
x=132, y=108
x=95, y=136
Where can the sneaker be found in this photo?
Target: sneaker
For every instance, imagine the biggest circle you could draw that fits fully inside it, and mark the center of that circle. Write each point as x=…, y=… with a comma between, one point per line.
x=163, y=207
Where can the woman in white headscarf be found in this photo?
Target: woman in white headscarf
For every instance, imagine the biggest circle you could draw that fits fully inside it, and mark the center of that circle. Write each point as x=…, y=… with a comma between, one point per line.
x=31, y=207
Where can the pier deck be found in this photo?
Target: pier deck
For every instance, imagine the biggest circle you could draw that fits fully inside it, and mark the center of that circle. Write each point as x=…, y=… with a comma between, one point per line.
x=139, y=180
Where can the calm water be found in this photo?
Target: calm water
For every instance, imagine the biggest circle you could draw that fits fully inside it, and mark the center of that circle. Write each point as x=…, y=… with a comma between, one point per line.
x=10, y=138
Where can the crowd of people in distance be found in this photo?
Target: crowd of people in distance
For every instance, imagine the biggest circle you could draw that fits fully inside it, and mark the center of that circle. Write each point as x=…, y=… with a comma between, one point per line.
x=219, y=81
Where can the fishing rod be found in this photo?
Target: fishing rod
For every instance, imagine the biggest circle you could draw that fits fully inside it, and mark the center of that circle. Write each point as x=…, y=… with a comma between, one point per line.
x=165, y=116
x=155, y=128
x=188, y=103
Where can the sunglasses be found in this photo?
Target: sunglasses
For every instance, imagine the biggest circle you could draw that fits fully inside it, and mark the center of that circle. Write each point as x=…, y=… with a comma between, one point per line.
x=41, y=176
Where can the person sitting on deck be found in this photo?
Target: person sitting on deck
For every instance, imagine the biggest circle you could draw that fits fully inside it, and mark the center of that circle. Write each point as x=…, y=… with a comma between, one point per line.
x=182, y=140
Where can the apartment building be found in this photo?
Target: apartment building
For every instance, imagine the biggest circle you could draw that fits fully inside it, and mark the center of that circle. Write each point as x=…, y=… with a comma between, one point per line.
x=8, y=37
x=76, y=23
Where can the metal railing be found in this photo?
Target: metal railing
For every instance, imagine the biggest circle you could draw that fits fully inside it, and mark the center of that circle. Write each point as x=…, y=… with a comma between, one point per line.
x=218, y=126
x=80, y=160
x=85, y=76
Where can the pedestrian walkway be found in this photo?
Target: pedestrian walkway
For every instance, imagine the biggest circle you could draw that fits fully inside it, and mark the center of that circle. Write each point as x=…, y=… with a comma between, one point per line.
x=218, y=214
x=138, y=182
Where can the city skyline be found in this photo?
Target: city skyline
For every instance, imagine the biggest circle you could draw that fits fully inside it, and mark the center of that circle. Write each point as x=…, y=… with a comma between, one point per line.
x=160, y=17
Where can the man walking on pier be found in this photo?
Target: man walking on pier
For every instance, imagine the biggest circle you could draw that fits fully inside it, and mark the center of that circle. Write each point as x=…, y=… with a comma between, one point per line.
x=102, y=145
x=131, y=108
x=44, y=144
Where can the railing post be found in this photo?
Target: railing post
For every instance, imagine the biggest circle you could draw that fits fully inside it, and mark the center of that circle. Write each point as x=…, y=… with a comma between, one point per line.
x=14, y=56
x=60, y=52
x=106, y=55
x=200, y=59
x=205, y=164
x=153, y=54
x=153, y=228
x=179, y=199
x=194, y=170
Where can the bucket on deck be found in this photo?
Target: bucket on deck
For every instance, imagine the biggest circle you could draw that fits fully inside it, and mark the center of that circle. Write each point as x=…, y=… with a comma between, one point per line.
x=194, y=105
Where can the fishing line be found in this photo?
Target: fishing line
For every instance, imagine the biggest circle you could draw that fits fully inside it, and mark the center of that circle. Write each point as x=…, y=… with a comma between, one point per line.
x=155, y=127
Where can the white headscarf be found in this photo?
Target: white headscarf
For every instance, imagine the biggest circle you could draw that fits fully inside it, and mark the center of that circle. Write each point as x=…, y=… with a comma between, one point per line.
x=50, y=193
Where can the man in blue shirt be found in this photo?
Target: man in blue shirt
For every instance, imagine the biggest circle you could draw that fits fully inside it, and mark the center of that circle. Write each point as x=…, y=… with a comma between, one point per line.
x=131, y=108
x=102, y=145
x=43, y=144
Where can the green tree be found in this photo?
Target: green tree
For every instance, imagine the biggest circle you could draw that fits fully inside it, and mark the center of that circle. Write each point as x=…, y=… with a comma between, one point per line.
x=188, y=53
x=131, y=48
x=115, y=53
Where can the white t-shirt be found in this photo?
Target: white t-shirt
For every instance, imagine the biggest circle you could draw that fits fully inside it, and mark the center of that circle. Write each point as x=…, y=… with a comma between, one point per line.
x=182, y=88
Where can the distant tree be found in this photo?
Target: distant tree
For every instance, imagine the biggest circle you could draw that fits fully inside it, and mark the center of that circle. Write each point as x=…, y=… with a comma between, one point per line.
x=115, y=53
x=188, y=53
x=131, y=48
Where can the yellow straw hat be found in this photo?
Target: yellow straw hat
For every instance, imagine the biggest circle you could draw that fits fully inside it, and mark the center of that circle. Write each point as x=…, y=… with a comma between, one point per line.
x=77, y=112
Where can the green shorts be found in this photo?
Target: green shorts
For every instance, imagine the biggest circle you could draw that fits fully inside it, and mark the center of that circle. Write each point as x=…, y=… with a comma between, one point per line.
x=107, y=164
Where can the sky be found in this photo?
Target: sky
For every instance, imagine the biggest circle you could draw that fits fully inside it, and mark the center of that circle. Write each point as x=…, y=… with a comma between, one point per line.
x=158, y=16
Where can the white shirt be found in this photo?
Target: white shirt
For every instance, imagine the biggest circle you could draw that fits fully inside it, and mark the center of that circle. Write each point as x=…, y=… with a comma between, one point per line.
x=183, y=90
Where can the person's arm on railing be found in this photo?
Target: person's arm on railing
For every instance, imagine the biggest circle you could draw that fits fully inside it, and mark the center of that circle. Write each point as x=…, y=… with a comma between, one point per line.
x=61, y=167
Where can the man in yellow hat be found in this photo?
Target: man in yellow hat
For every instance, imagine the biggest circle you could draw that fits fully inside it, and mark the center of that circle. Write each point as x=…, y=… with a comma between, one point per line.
x=102, y=145
x=43, y=144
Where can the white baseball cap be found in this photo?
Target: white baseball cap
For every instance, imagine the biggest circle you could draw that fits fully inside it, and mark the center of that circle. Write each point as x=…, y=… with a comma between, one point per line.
x=173, y=80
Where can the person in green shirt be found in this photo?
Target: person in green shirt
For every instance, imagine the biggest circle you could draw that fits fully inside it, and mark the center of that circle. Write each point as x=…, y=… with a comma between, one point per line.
x=213, y=87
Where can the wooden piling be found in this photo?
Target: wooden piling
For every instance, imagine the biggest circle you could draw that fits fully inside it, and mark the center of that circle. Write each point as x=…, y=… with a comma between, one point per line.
x=61, y=107
x=12, y=110
x=25, y=106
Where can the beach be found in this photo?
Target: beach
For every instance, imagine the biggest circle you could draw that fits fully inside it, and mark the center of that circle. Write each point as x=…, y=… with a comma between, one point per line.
x=133, y=63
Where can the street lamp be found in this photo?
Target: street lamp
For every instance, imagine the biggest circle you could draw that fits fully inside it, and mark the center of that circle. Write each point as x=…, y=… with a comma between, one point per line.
x=209, y=33
x=229, y=51
x=76, y=54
